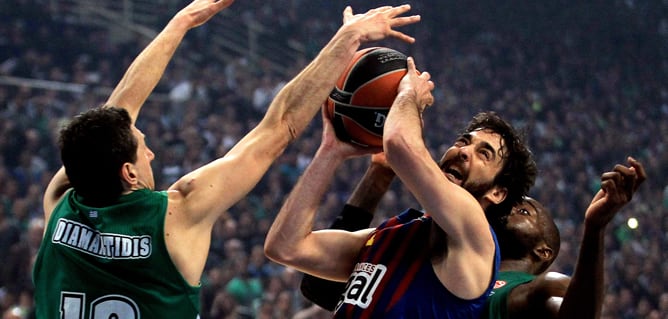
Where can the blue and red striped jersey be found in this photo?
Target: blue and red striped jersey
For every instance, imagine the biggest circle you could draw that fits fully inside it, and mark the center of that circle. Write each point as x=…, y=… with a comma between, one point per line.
x=394, y=278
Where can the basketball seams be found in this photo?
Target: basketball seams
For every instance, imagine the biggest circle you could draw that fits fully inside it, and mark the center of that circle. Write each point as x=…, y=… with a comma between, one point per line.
x=370, y=81
x=372, y=65
x=359, y=58
x=366, y=107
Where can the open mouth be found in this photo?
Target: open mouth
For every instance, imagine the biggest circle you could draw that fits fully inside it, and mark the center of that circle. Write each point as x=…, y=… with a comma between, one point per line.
x=453, y=175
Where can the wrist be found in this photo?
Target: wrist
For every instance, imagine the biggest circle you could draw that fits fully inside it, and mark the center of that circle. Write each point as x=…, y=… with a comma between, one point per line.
x=378, y=169
x=592, y=228
x=180, y=23
x=330, y=155
x=408, y=97
x=347, y=38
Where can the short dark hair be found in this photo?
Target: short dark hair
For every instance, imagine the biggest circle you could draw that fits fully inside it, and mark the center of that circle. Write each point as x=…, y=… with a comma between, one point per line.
x=93, y=148
x=518, y=173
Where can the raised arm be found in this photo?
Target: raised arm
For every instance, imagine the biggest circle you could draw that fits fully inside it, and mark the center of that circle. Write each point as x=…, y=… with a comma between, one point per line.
x=555, y=295
x=291, y=240
x=212, y=189
x=454, y=209
x=584, y=297
x=148, y=67
x=142, y=76
x=451, y=206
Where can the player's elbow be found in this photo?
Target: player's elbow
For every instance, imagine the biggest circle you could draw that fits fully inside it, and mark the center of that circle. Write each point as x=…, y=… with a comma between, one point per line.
x=277, y=251
x=280, y=256
x=272, y=253
x=283, y=121
x=285, y=250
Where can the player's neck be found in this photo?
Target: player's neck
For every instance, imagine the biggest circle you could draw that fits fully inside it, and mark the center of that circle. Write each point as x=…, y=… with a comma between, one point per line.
x=521, y=265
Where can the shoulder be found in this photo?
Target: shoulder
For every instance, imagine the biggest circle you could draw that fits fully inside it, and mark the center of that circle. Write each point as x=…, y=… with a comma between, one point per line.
x=175, y=199
x=539, y=297
x=551, y=284
x=544, y=286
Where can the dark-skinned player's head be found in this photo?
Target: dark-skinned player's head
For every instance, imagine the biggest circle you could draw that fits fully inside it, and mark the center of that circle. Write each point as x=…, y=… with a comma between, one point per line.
x=526, y=231
x=94, y=146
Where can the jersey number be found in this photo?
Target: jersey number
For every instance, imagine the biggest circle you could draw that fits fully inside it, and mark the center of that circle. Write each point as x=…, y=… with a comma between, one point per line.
x=73, y=306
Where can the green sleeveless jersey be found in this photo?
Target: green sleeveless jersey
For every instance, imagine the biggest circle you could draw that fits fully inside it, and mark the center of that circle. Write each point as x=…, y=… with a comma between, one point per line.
x=497, y=303
x=110, y=262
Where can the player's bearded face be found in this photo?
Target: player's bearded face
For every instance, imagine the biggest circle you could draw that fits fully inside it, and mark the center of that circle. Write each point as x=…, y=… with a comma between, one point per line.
x=459, y=173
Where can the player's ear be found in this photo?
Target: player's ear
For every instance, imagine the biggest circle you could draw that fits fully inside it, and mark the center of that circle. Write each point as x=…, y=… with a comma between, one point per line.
x=496, y=194
x=543, y=252
x=128, y=173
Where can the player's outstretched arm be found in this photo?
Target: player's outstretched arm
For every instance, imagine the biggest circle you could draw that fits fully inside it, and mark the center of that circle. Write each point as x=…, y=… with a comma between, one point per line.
x=454, y=209
x=555, y=295
x=212, y=189
x=291, y=240
x=199, y=198
x=301, y=98
x=142, y=76
x=148, y=67
x=584, y=297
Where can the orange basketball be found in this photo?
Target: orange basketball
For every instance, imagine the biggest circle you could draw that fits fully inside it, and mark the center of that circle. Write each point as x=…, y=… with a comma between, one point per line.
x=363, y=95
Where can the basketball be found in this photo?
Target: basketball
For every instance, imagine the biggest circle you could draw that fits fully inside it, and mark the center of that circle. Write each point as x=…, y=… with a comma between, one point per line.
x=363, y=95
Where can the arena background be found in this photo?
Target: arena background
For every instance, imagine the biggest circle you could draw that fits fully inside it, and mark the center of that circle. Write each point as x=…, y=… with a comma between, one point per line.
x=587, y=81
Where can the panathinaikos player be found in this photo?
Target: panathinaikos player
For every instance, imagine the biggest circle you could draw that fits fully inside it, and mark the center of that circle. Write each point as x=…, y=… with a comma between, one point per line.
x=114, y=247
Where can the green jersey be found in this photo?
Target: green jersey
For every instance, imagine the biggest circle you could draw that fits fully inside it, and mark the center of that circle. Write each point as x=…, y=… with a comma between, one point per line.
x=497, y=303
x=110, y=262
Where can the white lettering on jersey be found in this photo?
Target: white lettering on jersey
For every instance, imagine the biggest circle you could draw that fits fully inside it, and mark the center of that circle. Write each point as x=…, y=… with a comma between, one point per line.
x=362, y=284
x=105, y=245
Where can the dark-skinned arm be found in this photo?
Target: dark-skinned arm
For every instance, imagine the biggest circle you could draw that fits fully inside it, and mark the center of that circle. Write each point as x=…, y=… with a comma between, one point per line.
x=584, y=297
x=555, y=295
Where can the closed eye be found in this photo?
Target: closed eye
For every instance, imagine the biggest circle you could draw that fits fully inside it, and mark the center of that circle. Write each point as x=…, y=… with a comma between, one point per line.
x=461, y=142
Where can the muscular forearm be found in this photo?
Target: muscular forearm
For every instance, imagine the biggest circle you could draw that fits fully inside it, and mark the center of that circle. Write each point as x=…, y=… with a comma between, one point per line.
x=584, y=296
x=403, y=125
x=402, y=135
x=300, y=99
x=295, y=220
x=403, y=142
x=406, y=152
x=146, y=70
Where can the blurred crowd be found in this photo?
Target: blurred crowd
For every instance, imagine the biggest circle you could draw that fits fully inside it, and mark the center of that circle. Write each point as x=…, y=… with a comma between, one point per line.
x=588, y=83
